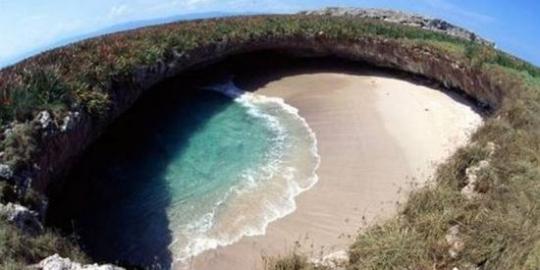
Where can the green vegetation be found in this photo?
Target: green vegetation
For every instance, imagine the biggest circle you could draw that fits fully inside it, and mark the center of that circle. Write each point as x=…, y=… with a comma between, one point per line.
x=53, y=79
x=291, y=262
x=40, y=89
x=500, y=228
x=81, y=76
x=19, y=145
x=18, y=249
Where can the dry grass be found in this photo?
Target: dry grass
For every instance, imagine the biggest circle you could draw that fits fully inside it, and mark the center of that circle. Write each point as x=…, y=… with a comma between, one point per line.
x=294, y=261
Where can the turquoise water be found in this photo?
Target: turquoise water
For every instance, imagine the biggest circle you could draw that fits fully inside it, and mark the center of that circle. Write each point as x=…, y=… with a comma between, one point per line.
x=216, y=168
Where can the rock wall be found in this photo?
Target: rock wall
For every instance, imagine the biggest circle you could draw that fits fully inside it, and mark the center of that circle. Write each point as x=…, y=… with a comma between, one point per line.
x=60, y=146
x=55, y=262
x=23, y=218
x=404, y=18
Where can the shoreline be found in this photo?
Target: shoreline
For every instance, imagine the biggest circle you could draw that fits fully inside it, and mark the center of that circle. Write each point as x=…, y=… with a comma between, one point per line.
x=293, y=166
x=370, y=159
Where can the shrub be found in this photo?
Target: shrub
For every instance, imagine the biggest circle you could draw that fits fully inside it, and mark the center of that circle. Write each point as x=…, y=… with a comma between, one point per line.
x=293, y=261
x=96, y=103
x=40, y=89
x=18, y=249
x=20, y=144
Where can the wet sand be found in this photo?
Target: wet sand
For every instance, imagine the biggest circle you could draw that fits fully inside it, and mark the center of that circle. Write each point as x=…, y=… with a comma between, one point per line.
x=378, y=138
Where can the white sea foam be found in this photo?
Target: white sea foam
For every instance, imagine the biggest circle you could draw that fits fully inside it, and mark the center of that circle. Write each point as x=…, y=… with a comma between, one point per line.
x=205, y=234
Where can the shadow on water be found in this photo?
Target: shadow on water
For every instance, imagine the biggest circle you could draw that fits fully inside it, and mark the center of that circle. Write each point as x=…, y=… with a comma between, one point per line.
x=117, y=196
x=254, y=71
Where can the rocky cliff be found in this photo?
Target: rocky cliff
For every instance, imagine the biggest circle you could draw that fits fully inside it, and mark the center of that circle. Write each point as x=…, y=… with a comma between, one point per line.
x=62, y=140
x=404, y=18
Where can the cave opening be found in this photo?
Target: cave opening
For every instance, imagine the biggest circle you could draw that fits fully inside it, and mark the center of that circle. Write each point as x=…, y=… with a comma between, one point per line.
x=102, y=196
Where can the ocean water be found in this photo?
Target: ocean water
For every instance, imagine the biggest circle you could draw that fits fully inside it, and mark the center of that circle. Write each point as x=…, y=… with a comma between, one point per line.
x=199, y=179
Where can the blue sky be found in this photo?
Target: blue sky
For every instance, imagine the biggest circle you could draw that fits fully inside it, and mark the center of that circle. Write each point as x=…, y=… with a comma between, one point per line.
x=27, y=26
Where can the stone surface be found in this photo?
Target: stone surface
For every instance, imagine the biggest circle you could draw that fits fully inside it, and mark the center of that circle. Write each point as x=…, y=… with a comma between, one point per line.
x=55, y=262
x=404, y=19
x=469, y=191
x=5, y=171
x=8, y=131
x=454, y=241
x=69, y=121
x=337, y=260
x=44, y=118
x=22, y=217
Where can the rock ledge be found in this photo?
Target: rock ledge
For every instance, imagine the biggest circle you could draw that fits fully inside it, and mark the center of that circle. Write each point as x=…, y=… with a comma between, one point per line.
x=55, y=262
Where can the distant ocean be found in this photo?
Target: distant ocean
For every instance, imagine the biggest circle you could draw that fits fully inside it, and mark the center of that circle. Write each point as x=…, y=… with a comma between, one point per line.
x=235, y=170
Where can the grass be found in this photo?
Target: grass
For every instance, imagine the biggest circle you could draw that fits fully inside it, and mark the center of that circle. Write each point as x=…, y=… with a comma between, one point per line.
x=82, y=76
x=40, y=89
x=17, y=249
x=293, y=261
x=500, y=228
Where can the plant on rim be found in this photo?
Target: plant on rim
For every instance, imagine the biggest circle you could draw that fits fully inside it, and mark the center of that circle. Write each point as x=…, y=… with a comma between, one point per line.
x=41, y=89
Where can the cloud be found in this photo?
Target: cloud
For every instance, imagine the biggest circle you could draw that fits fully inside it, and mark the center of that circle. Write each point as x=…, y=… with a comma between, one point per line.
x=194, y=3
x=117, y=11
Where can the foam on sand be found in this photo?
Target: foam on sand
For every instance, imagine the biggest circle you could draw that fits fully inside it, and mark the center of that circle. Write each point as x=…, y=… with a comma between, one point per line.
x=262, y=194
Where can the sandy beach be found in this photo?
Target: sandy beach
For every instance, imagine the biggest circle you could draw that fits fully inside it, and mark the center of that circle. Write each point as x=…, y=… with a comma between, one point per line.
x=378, y=138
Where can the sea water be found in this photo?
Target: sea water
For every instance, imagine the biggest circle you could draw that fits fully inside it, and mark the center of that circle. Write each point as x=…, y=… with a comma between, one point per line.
x=203, y=183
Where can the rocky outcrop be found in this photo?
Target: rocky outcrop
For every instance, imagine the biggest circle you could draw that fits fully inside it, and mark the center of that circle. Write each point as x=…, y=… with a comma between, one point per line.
x=59, y=141
x=404, y=18
x=336, y=260
x=23, y=218
x=472, y=173
x=55, y=262
x=454, y=241
x=456, y=246
x=44, y=119
x=5, y=171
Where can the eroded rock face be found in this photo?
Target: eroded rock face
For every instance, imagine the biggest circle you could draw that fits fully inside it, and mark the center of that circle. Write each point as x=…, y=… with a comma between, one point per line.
x=22, y=217
x=55, y=262
x=59, y=146
x=404, y=19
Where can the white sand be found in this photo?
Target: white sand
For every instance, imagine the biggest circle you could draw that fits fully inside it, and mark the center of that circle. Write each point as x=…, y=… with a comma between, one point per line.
x=377, y=137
